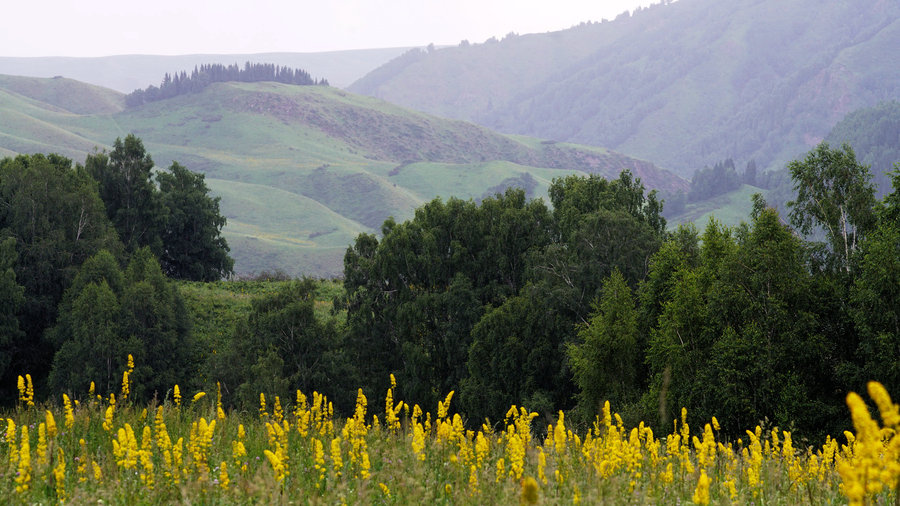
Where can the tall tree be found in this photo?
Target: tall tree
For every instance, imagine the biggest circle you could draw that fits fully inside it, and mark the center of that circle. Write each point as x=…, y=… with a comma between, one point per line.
x=192, y=243
x=606, y=360
x=834, y=194
x=132, y=201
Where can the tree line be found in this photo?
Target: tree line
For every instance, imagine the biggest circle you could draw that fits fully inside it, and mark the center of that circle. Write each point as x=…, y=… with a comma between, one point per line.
x=180, y=83
x=514, y=302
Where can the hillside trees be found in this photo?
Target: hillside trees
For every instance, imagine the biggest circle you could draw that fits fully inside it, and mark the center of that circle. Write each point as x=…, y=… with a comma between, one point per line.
x=181, y=83
x=739, y=333
x=179, y=221
x=132, y=202
x=11, y=299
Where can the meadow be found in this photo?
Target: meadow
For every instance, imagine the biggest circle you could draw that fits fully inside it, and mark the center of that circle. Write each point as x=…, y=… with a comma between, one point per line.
x=185, y=448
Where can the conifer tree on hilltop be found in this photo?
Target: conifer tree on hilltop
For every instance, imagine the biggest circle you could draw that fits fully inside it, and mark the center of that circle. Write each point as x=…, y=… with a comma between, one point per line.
x=204, y=75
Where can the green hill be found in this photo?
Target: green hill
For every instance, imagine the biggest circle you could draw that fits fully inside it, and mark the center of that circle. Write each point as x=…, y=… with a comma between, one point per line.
x=685, y=84
x=303, y=169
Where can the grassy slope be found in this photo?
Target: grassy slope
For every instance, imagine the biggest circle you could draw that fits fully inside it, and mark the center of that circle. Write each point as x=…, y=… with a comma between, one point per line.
x=729, y=209
x=685, y=85
x=302, y=170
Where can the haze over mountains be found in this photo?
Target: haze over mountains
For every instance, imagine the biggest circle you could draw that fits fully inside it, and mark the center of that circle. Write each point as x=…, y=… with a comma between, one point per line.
x=684, y=85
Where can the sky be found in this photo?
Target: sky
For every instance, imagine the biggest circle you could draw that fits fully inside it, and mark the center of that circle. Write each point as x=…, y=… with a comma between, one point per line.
x=170, y=27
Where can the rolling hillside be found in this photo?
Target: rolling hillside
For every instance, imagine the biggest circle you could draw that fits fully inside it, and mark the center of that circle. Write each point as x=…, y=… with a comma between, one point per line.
x=685, y=84
x=301, y=169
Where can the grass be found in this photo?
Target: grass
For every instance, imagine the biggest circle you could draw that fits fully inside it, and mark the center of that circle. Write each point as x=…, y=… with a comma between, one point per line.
x=730, y=209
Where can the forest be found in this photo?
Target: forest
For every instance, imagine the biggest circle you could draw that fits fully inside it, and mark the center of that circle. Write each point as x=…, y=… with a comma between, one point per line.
x=558, y=305
x=204, y=75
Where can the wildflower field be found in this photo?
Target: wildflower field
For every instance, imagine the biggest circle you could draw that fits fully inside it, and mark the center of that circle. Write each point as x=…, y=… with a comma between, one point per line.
x=189, y=450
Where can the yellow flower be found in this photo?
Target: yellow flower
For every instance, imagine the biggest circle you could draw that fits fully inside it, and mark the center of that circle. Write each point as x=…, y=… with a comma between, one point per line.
x=23, y=476
x=701, y=493
x=198, y=396
x=176, y=394
x=70, y=414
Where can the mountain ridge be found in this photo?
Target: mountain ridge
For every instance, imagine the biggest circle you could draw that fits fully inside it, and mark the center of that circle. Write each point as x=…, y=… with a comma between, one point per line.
x=685, y=84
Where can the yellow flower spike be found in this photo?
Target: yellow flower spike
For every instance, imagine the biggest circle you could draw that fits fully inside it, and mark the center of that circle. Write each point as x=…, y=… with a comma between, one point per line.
x=20, y=383
x=384, y=488
x=223, y=475
x=701, y=493
x=23, y=474
x=51, y=424
x=890, y=412
x=176, y=395
x=198, y=396
x=125, y=386
x=262, y=406
x=29, y=390
x=42, y=445
x=70, y=413
x=11, y=443
x=59, y=476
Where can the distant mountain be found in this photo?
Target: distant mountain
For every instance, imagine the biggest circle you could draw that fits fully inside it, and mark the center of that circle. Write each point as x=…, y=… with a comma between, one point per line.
x=301, y=169
x=685, y=84
x=126, y=73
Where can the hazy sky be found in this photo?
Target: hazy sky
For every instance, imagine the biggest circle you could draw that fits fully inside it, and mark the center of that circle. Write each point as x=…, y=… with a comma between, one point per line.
x=110, y=27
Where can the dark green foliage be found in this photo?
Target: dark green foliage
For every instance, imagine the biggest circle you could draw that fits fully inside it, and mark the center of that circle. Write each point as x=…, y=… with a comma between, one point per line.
x=413, y=297
x=107, y=314
x=11, y=299
x=193, y=246
x=179, y=221
x=205, y=75
x=710, y=182
x=498, y=286
x=739, y=334
x=517, y=357
x=607, y=359
x=283, y=346
x=132, y=202
x=875, y=297
x=56, y=219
